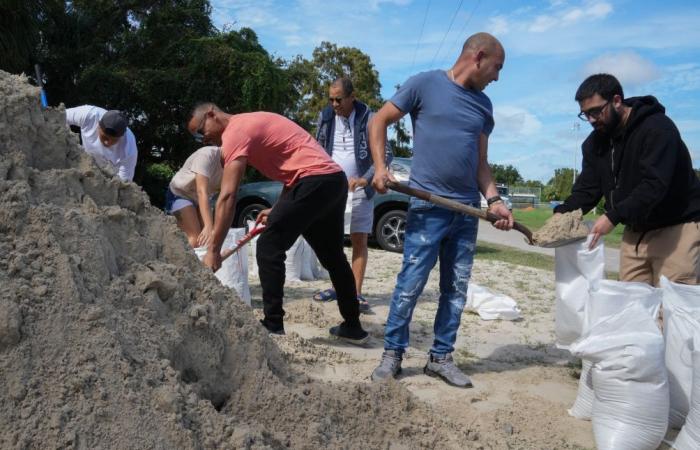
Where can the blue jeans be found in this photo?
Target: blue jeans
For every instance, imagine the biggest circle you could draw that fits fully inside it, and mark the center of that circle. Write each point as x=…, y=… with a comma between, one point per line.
x=432, y=232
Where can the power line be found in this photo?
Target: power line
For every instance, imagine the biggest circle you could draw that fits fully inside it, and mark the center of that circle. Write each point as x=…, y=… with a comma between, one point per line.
x=420, y=36
x=454, y=16
x=464, y=27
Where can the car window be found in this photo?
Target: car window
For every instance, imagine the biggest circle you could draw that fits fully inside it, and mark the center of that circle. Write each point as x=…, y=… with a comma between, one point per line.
x=401, y=172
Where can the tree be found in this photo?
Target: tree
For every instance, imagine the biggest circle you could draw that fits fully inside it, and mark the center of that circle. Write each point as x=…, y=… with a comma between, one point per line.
x=155, y=59
x=19, y=25
x=311, y=80
x=508, y=175
x=559, y=186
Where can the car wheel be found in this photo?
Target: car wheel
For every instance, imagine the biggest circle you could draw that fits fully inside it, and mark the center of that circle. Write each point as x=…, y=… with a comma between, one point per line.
x=250, y=212
x=390, y=229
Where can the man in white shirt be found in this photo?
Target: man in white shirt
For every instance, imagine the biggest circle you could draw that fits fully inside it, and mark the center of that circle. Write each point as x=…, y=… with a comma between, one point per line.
x=342, y=131
x=106, y=137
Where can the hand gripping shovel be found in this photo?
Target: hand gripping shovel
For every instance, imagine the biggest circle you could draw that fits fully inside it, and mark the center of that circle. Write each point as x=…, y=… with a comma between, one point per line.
x=456, y=206
x=244, y=240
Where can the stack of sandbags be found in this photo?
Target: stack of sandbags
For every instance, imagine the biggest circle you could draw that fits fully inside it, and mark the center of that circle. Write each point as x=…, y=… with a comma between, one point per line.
x=629, y=379
x=682, y=334
x=605, y=299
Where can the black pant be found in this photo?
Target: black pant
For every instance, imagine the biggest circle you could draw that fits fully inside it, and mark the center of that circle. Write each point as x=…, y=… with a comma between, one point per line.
x=313, y=207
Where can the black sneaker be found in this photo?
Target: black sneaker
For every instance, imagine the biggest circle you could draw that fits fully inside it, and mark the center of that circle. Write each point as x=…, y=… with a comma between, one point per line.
x=354, y=335
x=272, y=329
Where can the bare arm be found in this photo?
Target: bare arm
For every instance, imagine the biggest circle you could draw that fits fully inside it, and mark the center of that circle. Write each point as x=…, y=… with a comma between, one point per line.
x=387, y=115
x=225, y=207
x=488, y=187
x=202, y=183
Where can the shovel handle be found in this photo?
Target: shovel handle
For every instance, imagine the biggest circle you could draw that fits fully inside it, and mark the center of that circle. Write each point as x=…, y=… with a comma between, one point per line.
x=250, y=235
x=456, y=206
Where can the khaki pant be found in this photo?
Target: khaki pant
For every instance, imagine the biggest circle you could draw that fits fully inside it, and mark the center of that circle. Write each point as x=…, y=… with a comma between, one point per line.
x=672, y=251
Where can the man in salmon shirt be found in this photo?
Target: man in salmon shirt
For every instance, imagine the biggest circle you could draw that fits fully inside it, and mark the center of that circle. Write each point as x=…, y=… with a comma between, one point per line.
x=312, y=204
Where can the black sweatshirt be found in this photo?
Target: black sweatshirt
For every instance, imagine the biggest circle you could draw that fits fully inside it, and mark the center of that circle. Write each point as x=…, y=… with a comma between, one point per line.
x=644, y=172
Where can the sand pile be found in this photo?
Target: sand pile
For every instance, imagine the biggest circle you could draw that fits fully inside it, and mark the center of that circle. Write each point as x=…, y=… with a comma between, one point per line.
x=112, y=334
x=561, y=228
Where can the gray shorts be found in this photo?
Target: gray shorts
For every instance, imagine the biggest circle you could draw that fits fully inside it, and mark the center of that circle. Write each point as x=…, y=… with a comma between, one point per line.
x=362, y=213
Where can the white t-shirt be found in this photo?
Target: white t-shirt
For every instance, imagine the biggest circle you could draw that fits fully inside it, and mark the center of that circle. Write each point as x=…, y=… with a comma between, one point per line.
x=121, y=156
x=344, y=145
x=205, y=161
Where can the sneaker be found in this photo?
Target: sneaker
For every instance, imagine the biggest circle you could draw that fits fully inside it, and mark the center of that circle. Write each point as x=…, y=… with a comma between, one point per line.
x=445, y=368
x=389, y=367
x=272, y=329
x=353, y=335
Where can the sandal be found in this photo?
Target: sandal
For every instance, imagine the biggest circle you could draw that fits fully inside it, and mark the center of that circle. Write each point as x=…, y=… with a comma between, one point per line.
x=363, y=303
x=327, y=295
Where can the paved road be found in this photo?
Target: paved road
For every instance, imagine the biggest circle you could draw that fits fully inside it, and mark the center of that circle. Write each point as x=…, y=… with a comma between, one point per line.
x=515, y=239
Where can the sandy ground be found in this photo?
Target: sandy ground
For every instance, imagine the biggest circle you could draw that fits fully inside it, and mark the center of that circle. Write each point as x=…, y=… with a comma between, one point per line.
x=523, y=384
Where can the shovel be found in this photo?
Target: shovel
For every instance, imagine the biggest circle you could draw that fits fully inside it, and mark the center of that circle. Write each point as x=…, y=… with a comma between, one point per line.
x=244, y=240
x=456, y=206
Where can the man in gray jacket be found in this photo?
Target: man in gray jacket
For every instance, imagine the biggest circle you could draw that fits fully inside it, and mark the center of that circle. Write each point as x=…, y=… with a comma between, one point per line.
x=342, y=131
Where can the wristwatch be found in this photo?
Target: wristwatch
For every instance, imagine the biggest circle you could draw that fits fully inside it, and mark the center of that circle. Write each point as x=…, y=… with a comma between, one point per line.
x=491, y=200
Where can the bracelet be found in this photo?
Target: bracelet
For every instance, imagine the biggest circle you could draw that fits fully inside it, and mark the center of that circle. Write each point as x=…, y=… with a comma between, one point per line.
x=491, y=200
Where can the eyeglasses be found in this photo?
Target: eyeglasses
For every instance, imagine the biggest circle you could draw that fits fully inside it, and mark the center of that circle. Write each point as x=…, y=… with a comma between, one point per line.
x=336, y=99
x=595, y=112
x=198, y=135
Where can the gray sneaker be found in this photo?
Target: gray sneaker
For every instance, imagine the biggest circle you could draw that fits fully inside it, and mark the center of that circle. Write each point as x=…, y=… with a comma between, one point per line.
x=389, y=367
x=445, y=368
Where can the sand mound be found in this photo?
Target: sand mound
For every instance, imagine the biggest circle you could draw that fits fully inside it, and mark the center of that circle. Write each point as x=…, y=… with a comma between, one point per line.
x=561, y=227
x=112, y=334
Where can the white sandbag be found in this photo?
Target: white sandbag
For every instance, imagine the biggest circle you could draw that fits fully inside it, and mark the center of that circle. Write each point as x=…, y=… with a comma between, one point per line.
x=575, y=268
x=631, y=403
x=605, y=299
x=490, y=305
x=234, y=270
x=582, y=408
x=681, y=320
x=679, y=328
x=689, y=437
x=348, y=213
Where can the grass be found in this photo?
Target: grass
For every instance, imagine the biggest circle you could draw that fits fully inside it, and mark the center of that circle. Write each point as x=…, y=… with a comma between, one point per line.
x=495, y=252
x=535, y=218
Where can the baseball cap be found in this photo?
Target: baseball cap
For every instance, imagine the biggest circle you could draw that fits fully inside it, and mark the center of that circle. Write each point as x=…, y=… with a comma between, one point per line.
x=113, y=123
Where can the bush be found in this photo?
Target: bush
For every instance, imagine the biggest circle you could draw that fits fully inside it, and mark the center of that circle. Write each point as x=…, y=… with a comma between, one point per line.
x=155, y=182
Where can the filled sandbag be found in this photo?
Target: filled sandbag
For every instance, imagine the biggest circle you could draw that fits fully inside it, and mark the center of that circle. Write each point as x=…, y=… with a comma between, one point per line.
x=605, y=299
x=689, y=437
x=681, y=320
x=575, y=268
x=234, y=270
x=490, y=305
x=630, y=384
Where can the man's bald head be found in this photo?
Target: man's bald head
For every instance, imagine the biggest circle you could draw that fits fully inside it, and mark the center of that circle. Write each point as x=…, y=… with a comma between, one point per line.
x=482, y=42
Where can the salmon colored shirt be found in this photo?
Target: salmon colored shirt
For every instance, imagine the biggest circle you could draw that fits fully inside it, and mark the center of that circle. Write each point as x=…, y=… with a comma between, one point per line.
x=280, y=149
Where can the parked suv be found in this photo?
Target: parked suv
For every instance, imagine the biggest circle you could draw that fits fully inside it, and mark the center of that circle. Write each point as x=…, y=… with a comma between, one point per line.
x=389, y=209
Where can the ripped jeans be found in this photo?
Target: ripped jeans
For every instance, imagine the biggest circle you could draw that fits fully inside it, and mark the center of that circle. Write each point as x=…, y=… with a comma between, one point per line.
x=432, y=232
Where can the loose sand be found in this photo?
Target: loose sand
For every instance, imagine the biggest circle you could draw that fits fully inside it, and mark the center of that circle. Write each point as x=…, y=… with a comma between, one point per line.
x=561, y=227
x=113, y=335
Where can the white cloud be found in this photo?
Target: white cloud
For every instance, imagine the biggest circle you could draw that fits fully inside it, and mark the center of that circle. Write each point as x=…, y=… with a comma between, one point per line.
x=514, y=123
x=498, y=25
x=570, y=16
x=628, y=67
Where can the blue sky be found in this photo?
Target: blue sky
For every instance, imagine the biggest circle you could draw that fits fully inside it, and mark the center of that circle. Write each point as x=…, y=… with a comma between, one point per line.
x=551, y=46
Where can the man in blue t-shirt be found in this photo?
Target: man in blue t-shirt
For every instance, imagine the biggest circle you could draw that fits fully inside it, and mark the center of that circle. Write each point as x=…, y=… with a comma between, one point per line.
x=452, y=120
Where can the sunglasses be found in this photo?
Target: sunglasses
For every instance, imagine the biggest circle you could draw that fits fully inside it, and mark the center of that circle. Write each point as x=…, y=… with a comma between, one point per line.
x=198, y=135
x=336, y=99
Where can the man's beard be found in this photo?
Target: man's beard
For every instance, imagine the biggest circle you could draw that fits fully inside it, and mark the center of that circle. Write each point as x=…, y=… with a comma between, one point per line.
x=608, y=129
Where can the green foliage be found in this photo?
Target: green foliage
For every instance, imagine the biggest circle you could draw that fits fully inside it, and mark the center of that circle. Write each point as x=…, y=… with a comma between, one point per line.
x=155, y=59
x=311, y=79
x=19, y=26
x=559, y=186
x=156, y=181
x=508, y=175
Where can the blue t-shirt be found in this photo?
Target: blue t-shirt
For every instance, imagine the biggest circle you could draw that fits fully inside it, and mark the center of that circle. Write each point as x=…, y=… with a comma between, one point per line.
x=447, y=124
